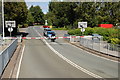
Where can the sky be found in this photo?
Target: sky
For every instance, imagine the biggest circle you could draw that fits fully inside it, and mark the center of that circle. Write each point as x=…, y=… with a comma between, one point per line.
x=43, y=5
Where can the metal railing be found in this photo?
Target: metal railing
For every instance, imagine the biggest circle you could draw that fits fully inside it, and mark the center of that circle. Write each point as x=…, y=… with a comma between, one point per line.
x=6, y=54
x=67, y=39
x=97, y=44
x=101, y=46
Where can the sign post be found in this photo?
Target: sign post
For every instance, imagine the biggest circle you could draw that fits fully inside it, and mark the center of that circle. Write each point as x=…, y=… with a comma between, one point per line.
x=82, y=25
x=10, y=30
x=10, y=25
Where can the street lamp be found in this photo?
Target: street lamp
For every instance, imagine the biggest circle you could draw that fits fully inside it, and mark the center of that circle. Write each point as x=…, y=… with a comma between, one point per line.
x=3, y=17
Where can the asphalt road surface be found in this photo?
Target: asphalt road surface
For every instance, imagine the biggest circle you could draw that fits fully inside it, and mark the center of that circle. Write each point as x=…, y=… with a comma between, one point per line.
x=39, y=61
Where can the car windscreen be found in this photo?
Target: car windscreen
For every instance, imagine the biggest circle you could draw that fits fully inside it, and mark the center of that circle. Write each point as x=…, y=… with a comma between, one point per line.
x=47, y=29
x=51, y=33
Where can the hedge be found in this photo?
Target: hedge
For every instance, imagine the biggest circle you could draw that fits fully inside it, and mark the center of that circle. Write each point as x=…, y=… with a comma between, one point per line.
x=59, y=29
x=111, y=35
x=23, y=26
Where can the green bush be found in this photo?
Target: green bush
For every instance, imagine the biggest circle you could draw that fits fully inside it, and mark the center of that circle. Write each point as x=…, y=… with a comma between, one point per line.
x=114, y=41
x=106, y=33
x=19, y=26
x=111, y=35
x=25, y=25
x=76, y=32
x=105, y=38
x=89, y=31
x=59, y=29
x=68, y=27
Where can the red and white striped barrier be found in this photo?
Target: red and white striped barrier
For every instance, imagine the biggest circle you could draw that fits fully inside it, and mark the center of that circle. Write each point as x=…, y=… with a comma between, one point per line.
x=45, y=37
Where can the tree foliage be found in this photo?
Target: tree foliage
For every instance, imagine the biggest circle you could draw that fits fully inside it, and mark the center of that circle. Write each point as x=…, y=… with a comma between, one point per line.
x=30, y=19
x=37, y=14
x=15, y=11
x=62, y=13
x=70, y=13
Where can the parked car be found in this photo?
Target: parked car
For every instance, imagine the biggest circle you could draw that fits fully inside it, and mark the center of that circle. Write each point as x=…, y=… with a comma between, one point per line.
x=96, y=36
x=46, y=26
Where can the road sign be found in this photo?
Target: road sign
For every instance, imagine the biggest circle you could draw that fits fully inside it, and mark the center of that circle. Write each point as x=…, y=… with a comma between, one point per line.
x=82, y=24
x=10, y=29
x=10, y=24
x=82, y=29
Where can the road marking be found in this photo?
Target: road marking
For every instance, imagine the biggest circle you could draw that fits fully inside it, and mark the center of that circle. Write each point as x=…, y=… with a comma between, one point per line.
x=95, y=55
x=19, y=65
x=67, y=60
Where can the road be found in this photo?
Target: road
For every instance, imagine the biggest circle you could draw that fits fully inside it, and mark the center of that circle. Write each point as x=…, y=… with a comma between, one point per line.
x=39, y=61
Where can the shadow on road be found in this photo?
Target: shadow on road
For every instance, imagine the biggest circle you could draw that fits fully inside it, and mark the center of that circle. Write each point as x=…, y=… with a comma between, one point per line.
x=24, y=34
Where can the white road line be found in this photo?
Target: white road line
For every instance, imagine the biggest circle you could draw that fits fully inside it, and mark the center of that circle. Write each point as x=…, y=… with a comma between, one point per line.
x=19, y=65
x=69, y=61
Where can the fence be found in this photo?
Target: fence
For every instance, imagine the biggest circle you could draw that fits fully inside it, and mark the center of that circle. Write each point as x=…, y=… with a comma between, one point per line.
x=6, y=54
x=97, y=44
x=101, y=46
x=70, y=39
x=66, y=35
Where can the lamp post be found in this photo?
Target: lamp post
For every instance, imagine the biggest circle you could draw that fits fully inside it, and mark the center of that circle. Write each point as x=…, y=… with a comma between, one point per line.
x=3, y=17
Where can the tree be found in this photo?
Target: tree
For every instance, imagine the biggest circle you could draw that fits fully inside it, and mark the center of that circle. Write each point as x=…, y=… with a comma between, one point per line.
x=16, y=11
x=37, y=14
x=30, y=19
x=109, y=12
x=50, y=17
x=95, y=13
x=64, y=13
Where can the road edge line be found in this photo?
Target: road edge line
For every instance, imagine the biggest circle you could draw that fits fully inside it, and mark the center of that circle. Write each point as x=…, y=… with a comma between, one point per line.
x=19, y=64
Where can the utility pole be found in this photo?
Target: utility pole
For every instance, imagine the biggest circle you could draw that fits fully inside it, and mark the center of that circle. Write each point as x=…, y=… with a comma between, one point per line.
x=3, y=18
